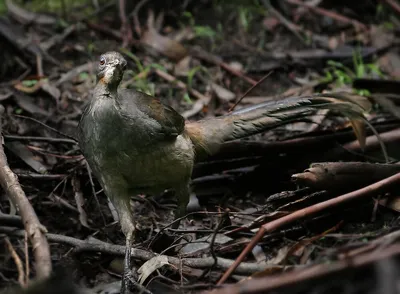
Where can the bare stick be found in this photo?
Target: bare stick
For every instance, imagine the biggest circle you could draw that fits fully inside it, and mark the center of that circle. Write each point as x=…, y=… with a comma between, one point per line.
x=274, y=283
x=249, y=90
x=377, y=187
x=335, y=16
x=26, y=257
x=18, y=263
x=35, y=231
x=166, y=76
x=95, y=245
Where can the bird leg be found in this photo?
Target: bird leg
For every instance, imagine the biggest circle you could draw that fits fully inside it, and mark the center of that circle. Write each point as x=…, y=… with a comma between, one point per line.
x=183, y=196
x=126, y=282
x=123, y=207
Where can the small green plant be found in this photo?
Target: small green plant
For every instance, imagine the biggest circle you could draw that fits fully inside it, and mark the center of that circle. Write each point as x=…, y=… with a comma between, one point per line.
x=245, y=17
x=187, y=98
x=199, y=31
x=139, y=77
x=190, y=77
x=247, y=13
x=193, y=72
x=83, y=76
x=343, y=75
x=204, y=31
x=29, y=83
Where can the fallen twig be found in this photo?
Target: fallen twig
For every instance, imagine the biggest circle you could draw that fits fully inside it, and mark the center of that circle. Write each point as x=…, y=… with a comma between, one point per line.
x=330, y=14
x=377, y=187
x=46, y=126
x=39, y=139
x=135, y=17
x=126, y=30
x=95, y=245
x=87, y=67
x=166, y=76
x=27, y=268
x=201, y=54
x=266, y=284
x=395, y=5
x=371, y=143
x=33, y=227
x=104, y=30
x=288, y=24
x=202, y=101
x=249, y=90
x=348, y=175
x=57, y=39
x=18, y=263
x=28, y=17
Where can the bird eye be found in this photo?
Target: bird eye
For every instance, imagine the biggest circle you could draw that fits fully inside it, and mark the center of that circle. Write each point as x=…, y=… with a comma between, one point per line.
x=102, y=60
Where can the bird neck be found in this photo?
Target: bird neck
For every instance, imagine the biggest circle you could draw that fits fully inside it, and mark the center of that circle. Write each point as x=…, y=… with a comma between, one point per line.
x=106, y=89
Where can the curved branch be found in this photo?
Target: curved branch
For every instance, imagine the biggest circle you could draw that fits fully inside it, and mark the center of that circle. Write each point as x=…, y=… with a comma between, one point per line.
x=95, y=245
x=35, y=231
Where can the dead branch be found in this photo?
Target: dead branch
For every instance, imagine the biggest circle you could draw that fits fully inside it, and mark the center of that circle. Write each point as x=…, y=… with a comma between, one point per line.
x=39, y=139
x=249, y=90
x=375, y=188
x=95, y=245
x=331, y=14
x=372, y=143
x=28, y=17
x=166, y=76
x=348, y=175
x=266, y=284
x=18, y=263
x=34, y=229
x=208, y=57
x=126, y=30
x=394, y=5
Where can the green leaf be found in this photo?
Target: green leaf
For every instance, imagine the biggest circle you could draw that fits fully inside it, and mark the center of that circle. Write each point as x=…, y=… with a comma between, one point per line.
x=29, y=83
x=204, y=31
x=192, y=72
x=186, y=97
x=83, y=76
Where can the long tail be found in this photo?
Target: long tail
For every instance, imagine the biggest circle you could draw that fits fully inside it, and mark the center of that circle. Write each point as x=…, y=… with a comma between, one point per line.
x=207, y=135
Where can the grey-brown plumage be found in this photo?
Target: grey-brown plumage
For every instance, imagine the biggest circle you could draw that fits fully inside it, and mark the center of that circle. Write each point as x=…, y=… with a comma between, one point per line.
x=136, y=144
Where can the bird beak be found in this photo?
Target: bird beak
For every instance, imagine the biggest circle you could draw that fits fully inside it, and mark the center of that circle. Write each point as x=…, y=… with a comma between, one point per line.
x=121, y=64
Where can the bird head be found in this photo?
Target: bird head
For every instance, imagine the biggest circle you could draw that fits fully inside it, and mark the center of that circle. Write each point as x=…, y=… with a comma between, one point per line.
x=111, y=69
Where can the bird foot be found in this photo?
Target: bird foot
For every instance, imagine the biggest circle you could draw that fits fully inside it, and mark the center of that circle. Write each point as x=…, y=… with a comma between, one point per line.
x=126, y=278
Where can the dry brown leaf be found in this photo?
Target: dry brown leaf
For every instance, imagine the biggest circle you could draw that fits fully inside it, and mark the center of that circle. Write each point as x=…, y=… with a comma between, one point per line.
x=358, y=126
x=23, y=152
x=223, y=93
x=392, y=203
x=151, y=266
x=182, y=67
x=164, y=45
x=80, y=202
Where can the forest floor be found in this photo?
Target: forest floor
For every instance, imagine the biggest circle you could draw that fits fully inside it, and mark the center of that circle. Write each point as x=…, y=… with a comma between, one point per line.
x=202, y=57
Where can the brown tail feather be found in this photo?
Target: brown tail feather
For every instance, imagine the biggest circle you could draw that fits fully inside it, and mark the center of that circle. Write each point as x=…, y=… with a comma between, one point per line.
x=207, y=135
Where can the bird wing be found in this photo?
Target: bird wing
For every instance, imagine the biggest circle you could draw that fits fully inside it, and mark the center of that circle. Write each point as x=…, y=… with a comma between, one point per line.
x=167, y=122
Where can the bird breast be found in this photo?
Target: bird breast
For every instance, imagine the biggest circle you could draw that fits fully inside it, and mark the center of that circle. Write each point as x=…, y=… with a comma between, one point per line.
x=118, y=152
